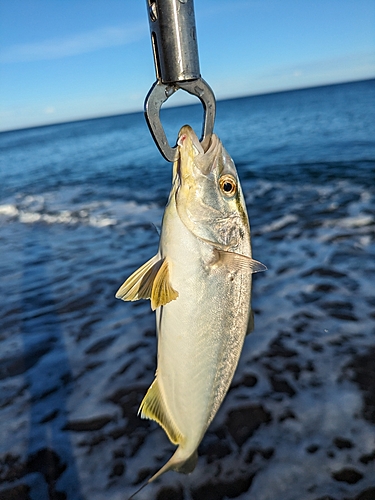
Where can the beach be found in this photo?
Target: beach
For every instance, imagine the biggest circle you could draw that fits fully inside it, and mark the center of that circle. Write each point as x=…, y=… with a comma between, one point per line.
x=80, y=205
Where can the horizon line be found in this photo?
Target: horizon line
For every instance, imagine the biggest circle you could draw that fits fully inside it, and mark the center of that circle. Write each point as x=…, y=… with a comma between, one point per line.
x=244, y=96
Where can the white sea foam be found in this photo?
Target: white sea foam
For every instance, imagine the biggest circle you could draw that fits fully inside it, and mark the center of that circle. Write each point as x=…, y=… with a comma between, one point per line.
x=9, y=210
x=280, y=223
x=29, y=217
x=51, y=209
x=357, y=221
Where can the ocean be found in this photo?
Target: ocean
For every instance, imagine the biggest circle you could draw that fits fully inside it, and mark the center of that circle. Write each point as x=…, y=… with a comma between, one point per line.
x=80, y=204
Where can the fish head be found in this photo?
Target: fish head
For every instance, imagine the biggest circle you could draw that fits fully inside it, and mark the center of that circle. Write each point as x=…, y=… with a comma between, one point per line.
x=208, y=194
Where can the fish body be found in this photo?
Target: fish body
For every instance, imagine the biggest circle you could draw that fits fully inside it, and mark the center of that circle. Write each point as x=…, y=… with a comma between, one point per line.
x=199, y=284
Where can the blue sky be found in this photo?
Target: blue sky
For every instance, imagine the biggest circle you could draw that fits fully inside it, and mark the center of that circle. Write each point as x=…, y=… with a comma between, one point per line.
x=64, y=60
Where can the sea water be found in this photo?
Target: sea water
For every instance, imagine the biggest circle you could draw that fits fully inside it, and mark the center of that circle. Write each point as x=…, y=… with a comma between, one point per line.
x=79, y=203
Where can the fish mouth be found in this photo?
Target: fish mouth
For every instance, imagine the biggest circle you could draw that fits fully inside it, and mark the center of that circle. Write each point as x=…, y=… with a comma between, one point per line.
x=192, y=153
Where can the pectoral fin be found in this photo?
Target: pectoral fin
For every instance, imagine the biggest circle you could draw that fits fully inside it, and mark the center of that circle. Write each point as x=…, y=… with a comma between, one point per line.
x=150, y=281
x=162, y=290
x=153, y=408
x=237, y=261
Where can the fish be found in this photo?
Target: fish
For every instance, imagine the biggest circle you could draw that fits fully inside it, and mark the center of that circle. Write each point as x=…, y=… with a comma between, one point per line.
x=199, y=283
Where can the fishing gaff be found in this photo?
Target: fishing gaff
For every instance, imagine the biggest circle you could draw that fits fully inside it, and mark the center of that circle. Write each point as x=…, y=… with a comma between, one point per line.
x=175, y=51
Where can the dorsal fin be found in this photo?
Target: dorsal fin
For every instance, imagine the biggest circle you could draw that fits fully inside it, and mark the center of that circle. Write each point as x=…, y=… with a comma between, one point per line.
x=150, y=281
x=153, y=408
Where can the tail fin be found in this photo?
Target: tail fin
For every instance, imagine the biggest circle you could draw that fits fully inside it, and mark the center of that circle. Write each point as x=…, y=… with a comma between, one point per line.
x=178, y=462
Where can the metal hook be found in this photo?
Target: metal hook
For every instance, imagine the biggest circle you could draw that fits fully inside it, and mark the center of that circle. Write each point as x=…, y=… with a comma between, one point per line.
x=159, y=93
x=175, y=49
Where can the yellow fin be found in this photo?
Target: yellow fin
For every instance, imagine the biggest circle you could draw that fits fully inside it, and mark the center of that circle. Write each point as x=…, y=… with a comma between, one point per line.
x=162, y=291
x=153, y=408
x=139, y=284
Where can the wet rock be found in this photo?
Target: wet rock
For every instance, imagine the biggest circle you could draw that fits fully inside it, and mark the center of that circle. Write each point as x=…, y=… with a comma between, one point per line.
x=11, y=468
x=366, y=459
x=88, y=424
x=129, y=400
x=149, y=333
x=117, y=470
x=48, y=463
x=285, y=416
x=20, y=492
x=368, y=494
x=93, y=441
x=324, y=287
x=294, y=368
x=50, y=416
x=278, y=349
x=135, y=428
x=323, y=272
x=101, y=345
x=248, y=380
x=87, y=329
x=363, y=369
x=123, y=369
x=169, y=493
x=342, y=443
x=313, y=448
x=326, y=497
x=137, y=346
x=263, y=453
x=281, y=385
x=143, y=474
x=347, y=475
x=243, y=422
x=339, y=310
x=213, y=448
x=219, y=490
x=20, y=363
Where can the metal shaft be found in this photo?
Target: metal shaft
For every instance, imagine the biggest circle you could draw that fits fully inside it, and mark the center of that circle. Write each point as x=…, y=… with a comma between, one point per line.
x=174, y=40
x=175, y=48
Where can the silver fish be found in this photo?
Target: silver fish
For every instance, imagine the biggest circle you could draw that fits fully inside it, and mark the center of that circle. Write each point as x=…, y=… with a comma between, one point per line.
x=199, y=284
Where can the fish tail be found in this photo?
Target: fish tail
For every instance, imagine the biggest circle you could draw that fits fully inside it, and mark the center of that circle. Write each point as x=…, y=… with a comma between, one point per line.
x=181, y=461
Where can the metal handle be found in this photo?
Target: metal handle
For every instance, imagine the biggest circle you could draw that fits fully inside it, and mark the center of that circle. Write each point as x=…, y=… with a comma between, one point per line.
x=174, y=40
x=175, y=50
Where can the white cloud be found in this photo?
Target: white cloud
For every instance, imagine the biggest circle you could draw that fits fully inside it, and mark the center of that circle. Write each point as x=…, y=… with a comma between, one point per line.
x=345, y=67
x=57, y=48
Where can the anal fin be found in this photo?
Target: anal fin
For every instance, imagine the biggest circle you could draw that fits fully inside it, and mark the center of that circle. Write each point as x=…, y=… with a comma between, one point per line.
x=153, y=408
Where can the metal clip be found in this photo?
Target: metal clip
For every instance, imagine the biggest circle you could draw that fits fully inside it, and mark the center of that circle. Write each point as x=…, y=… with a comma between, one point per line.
x=175, y=49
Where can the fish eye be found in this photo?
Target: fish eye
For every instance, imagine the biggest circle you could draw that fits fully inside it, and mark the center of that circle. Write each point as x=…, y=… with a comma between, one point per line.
x=228, y=185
